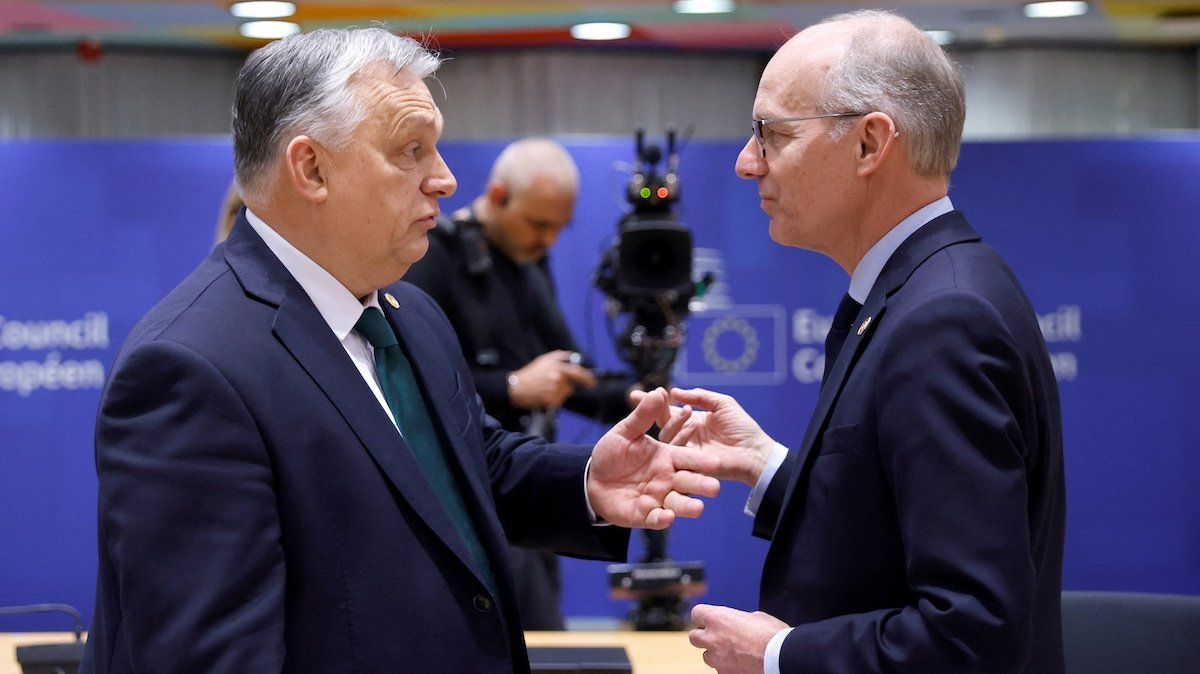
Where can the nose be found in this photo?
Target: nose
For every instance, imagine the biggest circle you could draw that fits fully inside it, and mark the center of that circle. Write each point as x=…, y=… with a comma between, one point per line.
x=441, y=182
x=750, y=163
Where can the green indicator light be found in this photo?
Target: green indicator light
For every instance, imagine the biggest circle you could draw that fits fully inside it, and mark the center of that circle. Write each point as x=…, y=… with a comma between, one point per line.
x=645, y=193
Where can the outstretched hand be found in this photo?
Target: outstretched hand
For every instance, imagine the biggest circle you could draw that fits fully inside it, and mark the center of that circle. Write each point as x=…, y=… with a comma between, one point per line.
x=637, y=481
x=717, y=425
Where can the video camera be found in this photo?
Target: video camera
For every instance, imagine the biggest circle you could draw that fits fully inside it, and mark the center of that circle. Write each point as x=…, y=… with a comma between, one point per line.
x=647, y=276
x=647, y=273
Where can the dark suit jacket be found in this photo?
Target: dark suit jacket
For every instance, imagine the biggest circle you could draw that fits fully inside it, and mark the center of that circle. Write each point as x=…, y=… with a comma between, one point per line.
x=260, y=513
x=496, y=339
x=919, y=526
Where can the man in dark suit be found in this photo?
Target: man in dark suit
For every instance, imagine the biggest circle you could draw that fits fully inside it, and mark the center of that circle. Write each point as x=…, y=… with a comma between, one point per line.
x=295, y=472
x=918, y=526
x=487, y=269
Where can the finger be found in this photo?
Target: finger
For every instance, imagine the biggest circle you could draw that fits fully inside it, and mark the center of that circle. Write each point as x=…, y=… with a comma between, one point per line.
x=701, y=613
x=672, y=421
x=708, y=659
x=636, y=395
x=702, y=398
x=683, y=506
x=579, y=376
x=695, y=484
x=664, y=418
x=642, y=417
x=690, y=458
x=659, y=518
x=697, y=638
x=685, y=436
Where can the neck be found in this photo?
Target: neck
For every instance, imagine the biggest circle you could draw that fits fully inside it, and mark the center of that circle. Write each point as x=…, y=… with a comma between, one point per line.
x=486, y=217
x=302, y=227
x=881, y=211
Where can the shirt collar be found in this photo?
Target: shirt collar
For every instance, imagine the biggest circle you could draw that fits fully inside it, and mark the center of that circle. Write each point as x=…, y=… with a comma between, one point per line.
x=871, y=265
x=337, y=305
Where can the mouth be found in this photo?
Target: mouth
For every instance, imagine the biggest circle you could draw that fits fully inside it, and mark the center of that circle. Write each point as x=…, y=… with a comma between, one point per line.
x=429, y=221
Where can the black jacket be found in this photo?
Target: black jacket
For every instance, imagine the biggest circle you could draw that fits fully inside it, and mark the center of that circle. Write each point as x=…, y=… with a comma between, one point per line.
x=505, y=316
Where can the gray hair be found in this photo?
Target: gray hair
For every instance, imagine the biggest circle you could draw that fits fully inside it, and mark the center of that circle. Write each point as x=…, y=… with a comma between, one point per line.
x=890, y=66
x=303, y=84
x=529, y=158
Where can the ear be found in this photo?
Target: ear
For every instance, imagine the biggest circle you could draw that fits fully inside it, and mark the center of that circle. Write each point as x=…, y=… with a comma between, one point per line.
x=497, y=193
x=876, y=137
x=306, y=164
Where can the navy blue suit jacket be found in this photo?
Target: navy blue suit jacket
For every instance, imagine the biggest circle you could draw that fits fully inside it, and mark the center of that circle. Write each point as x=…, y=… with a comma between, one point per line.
x=919, y=526
x=260, y=513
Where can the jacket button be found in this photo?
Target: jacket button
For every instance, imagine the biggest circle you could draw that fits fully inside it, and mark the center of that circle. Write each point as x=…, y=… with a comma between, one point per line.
x=482, y=603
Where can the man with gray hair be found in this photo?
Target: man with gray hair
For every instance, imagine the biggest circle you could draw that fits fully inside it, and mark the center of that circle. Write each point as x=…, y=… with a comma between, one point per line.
x=488, y=270
x=295, y=472
x=918, y=526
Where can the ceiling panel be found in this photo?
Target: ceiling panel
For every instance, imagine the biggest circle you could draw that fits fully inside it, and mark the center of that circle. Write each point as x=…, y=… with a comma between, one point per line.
x=760, y=25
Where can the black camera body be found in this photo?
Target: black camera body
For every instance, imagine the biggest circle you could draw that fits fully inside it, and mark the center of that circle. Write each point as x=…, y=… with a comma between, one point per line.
x=647, y=273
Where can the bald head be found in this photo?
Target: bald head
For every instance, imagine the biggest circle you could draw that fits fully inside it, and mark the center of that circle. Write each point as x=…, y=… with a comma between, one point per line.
x=530, y=198
x=535, y=160
x=876, y=61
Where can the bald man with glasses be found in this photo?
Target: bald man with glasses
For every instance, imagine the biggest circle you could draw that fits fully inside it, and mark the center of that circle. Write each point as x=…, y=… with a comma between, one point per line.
x=918, y=524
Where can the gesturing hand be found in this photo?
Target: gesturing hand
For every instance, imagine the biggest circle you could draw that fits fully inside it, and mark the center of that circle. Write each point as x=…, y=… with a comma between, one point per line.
x=719, y=427
x=637, y=481
x=734, y=641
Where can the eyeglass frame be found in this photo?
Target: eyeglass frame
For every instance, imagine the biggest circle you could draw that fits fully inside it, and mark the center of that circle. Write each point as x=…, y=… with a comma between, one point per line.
x=756, y=125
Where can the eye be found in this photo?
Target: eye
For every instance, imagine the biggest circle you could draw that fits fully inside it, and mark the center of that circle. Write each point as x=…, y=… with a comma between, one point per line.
x=410, y=152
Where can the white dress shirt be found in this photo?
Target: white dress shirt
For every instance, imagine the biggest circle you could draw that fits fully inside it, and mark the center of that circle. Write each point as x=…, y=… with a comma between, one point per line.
x=864, y=278
x=337, y=305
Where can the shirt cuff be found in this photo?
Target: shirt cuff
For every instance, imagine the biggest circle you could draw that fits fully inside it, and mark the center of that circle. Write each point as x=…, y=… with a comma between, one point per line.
x=593, y=518
x=774, y=648
x=773, y=462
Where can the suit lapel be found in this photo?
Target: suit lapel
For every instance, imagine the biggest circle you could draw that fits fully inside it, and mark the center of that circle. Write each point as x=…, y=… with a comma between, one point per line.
x=935, y=235
x=872, y=310
x=305, y=334
x=437, y=380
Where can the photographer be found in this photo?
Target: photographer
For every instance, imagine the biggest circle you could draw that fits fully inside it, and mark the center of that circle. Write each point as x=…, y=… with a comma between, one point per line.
x=487, y=269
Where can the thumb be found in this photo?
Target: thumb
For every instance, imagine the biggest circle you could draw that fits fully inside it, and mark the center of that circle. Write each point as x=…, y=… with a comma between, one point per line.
x=648, y=410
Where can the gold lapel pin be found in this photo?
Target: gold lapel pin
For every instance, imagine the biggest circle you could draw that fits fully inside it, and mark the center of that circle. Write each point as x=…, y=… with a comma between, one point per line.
x=863, y=328
x=396, y=305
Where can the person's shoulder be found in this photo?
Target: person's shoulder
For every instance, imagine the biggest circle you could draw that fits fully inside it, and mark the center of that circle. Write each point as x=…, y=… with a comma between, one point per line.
x=413, y=299
x=207, y=311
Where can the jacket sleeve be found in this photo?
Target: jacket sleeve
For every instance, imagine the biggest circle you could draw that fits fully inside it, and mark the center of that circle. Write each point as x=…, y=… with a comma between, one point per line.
x=538, y=487
x=947, y=405
x=188, y=517
x=767, y=516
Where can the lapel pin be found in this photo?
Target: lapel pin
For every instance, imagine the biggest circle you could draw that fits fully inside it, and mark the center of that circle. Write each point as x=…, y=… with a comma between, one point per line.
x=396, y=305
x=863, y=328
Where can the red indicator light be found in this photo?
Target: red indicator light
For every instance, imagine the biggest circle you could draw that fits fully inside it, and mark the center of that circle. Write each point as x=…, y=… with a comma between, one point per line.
x=662, y=193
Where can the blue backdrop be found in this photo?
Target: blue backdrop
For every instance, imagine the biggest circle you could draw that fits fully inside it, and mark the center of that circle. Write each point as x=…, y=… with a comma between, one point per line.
x=1103, y=234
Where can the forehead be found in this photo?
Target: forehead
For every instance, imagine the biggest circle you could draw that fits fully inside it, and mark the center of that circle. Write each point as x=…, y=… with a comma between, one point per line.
x=791, y=81
x=396, y=99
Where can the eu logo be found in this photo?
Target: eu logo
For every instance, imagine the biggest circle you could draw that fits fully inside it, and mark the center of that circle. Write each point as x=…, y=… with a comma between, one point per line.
x=738, y=345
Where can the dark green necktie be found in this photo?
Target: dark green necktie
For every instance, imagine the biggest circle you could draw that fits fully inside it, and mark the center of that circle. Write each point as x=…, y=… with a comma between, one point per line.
x=403, y=396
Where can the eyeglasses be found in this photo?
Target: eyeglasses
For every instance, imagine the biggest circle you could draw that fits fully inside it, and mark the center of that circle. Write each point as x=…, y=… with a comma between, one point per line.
x=758, y=125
